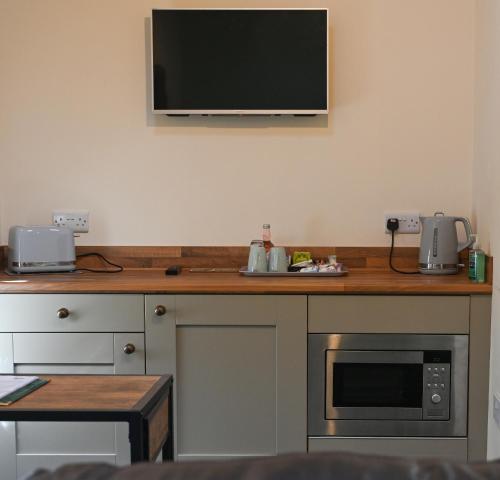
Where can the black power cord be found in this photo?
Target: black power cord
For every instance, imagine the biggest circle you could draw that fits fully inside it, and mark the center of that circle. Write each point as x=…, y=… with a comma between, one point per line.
x=393, y=226
x=118, y=269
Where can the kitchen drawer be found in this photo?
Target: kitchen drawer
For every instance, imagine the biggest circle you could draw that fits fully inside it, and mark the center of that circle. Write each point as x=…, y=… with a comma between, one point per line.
x=36, y=352
x=91, y=348
x=450, y=448
x=26, y=464
x=86, y=313
x=77, y=438
x=388, y=314
x=6, y=354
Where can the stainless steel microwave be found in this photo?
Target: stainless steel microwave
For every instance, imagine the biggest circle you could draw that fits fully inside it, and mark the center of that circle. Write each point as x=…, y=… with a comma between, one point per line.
x=387, y=385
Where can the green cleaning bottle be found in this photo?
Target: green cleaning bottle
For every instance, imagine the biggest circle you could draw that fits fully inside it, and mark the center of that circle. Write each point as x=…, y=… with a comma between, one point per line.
x=477, y=262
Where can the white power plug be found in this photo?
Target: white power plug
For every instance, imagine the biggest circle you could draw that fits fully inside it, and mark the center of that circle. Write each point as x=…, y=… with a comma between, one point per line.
x=77, y=220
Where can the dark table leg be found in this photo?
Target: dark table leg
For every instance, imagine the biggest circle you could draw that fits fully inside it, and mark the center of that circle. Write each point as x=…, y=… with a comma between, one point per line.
x=136, y=438
x=168, y=447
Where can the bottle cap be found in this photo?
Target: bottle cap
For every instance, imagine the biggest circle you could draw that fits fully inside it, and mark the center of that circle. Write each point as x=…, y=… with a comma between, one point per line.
x=266, y=225
x=475, y=245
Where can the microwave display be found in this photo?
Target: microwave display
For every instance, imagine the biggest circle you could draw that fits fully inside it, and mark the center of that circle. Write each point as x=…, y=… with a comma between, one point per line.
x=377, y=385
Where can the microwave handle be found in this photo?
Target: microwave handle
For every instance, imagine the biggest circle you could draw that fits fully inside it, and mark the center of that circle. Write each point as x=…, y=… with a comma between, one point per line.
x=363, y=356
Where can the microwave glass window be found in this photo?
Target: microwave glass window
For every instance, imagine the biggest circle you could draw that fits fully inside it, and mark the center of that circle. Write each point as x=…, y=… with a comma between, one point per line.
x=377, y=385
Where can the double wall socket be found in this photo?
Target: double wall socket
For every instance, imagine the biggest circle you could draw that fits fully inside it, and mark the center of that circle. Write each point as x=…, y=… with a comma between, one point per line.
x=409, y=222
x=77, y=220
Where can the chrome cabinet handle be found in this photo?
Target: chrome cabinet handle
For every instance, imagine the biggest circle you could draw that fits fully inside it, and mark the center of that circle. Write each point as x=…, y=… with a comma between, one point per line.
x=160, y=310
x=63, y=313
x=129, y=348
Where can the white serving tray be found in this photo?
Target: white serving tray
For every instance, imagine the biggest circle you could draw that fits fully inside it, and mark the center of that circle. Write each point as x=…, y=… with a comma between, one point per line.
x=244, y=271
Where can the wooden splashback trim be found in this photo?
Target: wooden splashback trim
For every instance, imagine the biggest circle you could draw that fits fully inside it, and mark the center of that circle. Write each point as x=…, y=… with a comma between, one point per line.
x=236, y=256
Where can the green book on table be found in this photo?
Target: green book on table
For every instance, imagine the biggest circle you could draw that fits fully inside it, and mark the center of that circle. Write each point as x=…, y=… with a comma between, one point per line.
x=14, y=387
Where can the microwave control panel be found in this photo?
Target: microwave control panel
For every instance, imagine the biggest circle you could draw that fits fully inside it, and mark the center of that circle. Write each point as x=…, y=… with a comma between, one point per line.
x=436, y=391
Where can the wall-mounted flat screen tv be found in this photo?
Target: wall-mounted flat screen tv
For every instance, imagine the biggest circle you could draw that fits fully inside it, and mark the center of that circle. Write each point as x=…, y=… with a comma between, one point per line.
x=240, y=61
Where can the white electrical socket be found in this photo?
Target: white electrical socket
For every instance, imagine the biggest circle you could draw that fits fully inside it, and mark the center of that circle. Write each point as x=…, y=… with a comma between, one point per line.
x=409, y=222
x=77, y=220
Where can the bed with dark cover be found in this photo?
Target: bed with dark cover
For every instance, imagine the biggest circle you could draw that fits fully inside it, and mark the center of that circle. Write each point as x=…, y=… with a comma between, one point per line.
x=316, y=466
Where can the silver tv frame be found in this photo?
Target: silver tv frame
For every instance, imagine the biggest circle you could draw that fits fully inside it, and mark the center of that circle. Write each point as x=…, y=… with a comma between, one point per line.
x=238, y=111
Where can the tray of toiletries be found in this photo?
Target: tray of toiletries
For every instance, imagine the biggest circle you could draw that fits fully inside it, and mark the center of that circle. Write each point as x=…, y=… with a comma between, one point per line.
x=244, y=271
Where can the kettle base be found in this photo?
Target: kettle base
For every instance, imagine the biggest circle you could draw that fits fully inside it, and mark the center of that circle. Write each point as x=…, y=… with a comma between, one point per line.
x=438, y=269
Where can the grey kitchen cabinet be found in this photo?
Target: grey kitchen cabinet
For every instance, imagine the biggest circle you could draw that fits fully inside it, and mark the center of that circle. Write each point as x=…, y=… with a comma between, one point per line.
x=7, y=429
x=91, y=348
x=415, y=314
x=239, y=365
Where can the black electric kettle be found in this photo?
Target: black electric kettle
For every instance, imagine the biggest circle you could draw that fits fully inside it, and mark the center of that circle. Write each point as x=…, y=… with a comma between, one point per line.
x=439, y=246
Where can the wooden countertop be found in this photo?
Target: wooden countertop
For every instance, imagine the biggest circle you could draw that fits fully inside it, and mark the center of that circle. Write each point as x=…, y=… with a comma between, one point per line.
x=87, y=392
x=358, y=281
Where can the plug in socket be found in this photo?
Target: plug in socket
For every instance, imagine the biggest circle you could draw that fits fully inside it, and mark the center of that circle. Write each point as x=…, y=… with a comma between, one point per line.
x=77, y=220
x=409, y=222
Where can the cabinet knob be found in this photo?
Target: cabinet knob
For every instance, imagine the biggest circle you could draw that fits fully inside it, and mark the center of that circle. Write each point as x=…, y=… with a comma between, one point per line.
x=160, y=310
x=129, y=348
x=63, y=313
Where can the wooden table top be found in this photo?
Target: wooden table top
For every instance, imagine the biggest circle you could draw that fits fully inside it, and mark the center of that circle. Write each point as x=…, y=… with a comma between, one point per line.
x=358, y=281
x=88, y=392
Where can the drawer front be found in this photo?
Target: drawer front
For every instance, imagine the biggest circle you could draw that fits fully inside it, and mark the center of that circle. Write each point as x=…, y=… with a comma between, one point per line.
x=65, y=348
x=68, y=438
x=85, y=313
x=103, y=353
x=389, y=314
x=6, y=353
x=449, y=448
x=26, y=464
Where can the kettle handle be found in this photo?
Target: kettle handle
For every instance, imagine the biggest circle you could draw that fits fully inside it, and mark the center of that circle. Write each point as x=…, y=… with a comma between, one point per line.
x=468, y=232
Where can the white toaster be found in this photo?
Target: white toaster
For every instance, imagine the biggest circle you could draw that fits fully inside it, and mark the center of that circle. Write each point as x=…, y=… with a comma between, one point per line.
x=41, y=249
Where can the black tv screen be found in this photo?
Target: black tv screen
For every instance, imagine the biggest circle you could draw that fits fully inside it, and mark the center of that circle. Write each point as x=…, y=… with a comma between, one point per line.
x=243, y=61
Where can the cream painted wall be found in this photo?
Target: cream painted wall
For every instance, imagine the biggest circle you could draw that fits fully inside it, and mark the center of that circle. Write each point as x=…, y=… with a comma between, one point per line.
x=487, y=174
x=76, y=132
x=487, y=117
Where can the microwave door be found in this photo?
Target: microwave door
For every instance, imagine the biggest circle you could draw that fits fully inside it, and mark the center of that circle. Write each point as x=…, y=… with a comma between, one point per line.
x=374, y=385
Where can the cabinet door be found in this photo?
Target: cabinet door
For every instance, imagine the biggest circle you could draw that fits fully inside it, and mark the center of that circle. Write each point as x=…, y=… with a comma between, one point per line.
x=239, y=363
x=7, y=429
x=51, y=444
